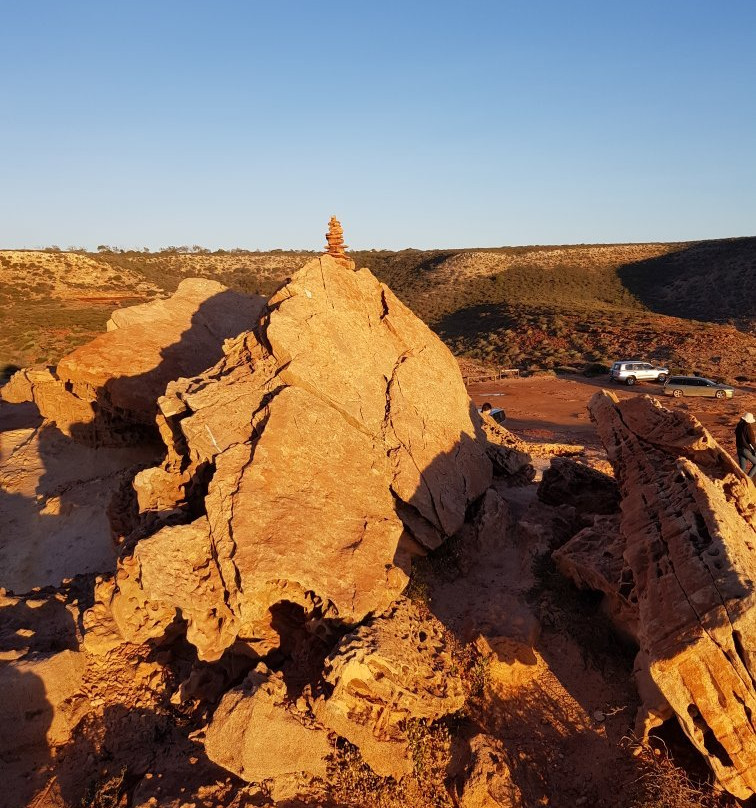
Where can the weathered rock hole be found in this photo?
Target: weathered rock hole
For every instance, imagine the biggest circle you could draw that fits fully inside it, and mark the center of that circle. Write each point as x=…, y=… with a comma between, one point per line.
x=302, y=652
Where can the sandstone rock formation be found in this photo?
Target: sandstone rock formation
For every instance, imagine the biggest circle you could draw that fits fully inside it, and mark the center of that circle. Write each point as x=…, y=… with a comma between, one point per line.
x=335, y=246
x=507, y=453
x=55, y=496
x=689, y=531
x=389, y=672
x=386, y=673
x=593, y=559
x=568, y=482
x=322, y=450
x=488, y=781
x=39, y=704
x=258, y=734
x=105, y=392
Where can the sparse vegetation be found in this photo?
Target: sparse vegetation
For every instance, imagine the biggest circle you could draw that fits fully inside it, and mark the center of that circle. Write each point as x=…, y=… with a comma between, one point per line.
x=663, y=784
x=537, y=308
x=355, y=784
x=105, y=792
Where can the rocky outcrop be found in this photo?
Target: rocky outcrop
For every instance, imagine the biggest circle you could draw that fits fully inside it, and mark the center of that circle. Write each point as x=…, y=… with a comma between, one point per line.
x=260, y=735
x=568, y=482
x=323, y=450
x=488, y=780
x=689, y=531
x=507, y=453
x=386, y=673
x=55, y=496
x=106, y=392
x=193, y=591
x=38, y=705
x=389, y=672
x=593, y=559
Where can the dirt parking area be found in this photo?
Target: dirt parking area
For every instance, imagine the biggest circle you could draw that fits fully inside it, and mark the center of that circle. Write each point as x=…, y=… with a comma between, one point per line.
x=544, y=409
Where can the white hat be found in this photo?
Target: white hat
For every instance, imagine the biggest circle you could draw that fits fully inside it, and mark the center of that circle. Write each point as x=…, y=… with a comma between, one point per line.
x=748, y=417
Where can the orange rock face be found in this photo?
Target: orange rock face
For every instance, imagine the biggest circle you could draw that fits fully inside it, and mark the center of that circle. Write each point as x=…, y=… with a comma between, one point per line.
x=397, y=668
x=689, y=531
x=325, y=448
x=105, y=392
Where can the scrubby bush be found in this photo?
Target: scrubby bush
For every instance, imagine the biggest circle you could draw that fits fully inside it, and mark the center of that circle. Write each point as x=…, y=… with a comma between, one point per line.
x=595, y=369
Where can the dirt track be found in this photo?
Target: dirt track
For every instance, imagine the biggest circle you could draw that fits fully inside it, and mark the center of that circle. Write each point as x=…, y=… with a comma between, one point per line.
x=554, y=409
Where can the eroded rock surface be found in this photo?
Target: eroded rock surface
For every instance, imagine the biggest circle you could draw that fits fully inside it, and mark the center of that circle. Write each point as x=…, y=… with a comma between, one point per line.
x=54, y=500
x=689, y=529
x=488, y=782
x=324, y=448
x=593, y=559
x=508, y=453
x=105, y=392
x=392, y=670
x=258, y=734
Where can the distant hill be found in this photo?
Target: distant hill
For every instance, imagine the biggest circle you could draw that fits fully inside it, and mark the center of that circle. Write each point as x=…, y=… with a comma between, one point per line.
x=691, y=305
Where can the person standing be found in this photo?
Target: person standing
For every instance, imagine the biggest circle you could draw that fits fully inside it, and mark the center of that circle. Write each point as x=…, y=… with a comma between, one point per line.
x=745, y=443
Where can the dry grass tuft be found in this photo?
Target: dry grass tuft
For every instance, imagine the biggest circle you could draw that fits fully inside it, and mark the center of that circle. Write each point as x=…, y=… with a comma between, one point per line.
x=356, y=785
x=106, y=793
x=664, y=784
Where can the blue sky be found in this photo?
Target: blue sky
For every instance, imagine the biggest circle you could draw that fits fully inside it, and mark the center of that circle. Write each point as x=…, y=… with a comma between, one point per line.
x=420, y=124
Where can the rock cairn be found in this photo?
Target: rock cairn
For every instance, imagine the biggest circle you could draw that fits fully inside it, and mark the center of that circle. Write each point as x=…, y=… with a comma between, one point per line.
x=335, y=246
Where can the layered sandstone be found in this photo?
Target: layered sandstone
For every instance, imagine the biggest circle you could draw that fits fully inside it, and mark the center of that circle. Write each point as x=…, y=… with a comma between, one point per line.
x=324, y=449
x=507, y=453
x=689, y=531
x=106, y=392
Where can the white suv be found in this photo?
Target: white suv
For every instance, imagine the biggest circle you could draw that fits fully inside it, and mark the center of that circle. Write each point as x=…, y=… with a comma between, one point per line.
x=631, y=371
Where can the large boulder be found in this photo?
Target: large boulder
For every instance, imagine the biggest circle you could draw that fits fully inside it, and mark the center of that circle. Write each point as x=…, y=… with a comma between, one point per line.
x=324, y=449
x=258, y=734
x=689, y=531
x=106, y=392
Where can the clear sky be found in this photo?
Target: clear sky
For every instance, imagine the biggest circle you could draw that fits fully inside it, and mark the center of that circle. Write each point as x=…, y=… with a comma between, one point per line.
x=420, y=124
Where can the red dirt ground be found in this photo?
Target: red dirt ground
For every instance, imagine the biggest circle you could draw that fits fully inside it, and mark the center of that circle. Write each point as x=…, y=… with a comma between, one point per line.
x=543, y=409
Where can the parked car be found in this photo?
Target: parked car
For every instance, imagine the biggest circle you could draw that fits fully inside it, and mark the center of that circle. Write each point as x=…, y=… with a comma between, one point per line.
x=631, y=371
x=679, y=386
x=495, y=412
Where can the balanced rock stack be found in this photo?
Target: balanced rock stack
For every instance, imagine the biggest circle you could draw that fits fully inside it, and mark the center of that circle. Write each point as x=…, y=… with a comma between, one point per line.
x=335, y=246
